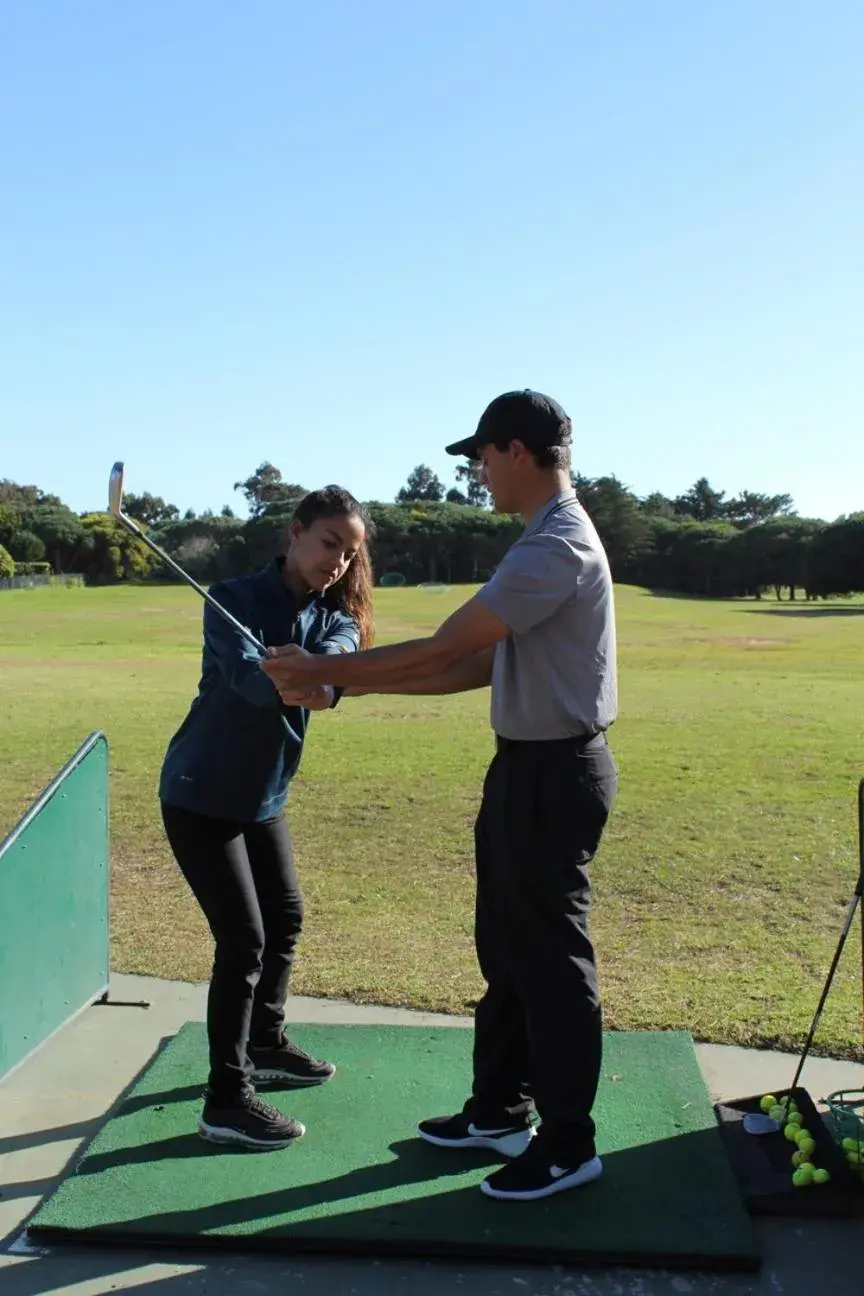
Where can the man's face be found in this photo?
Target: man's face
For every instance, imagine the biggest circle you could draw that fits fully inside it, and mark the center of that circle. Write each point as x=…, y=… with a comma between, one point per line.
x=502, y=471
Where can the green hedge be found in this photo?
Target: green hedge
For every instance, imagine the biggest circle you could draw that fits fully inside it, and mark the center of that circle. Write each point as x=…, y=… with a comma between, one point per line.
x=33, y=569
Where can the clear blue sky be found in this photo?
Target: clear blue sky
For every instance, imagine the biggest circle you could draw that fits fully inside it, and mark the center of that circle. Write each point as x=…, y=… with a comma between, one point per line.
x=326, y=234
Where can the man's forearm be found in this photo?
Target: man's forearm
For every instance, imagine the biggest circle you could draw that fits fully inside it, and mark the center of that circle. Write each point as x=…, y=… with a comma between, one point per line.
x=394, y=664
x=469, y=630
x=472, y=672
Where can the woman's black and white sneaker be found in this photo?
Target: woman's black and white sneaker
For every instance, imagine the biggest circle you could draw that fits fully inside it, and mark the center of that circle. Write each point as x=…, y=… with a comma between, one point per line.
x=247, y=1122
x=507, y=1133
x=540, y=1172
x=289, y=1066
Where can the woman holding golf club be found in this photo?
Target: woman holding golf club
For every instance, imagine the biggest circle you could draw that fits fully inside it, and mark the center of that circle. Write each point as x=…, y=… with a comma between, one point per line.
x=223, y=787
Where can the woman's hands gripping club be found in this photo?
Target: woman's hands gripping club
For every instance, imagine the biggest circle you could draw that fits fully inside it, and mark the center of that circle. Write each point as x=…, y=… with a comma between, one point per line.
x=286, y=669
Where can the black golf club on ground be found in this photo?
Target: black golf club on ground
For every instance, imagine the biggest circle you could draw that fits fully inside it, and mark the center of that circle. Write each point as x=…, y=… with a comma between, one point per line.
x=759, y=1122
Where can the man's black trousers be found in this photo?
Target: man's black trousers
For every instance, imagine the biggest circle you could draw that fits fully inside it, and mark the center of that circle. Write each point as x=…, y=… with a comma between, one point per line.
x=538, y=1028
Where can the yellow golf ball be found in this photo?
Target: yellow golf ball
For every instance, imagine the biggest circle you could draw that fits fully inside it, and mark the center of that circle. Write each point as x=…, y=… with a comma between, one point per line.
x=821, y=1176
x=803, y=1176
x=768, y=1102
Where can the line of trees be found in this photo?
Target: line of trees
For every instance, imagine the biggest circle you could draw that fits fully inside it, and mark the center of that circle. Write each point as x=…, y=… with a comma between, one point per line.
x=699, y=543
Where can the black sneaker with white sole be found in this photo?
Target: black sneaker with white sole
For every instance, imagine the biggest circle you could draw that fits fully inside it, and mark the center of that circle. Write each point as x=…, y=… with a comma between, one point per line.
x=507, y=1133
x=289, y=1066
x=247, y=1121
x=539, y=1172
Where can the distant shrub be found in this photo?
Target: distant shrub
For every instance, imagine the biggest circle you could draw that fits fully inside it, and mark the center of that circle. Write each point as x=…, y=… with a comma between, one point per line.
x=32, y=569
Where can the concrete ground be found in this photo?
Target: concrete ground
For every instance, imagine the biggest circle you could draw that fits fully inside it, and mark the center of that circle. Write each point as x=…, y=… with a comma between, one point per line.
x=58, y=1099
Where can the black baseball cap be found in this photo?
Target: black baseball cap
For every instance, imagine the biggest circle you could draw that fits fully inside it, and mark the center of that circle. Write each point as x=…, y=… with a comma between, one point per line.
x=526, y=416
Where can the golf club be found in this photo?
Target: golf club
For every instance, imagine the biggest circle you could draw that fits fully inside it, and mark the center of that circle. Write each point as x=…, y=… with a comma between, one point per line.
x=115, y=507
x=759, y=1122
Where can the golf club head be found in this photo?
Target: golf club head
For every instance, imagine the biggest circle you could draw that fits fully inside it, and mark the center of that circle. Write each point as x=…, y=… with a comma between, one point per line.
x=115, y=489
x=760, y=1123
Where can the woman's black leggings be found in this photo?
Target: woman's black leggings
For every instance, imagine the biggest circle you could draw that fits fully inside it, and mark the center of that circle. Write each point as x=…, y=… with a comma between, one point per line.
x=244, y=879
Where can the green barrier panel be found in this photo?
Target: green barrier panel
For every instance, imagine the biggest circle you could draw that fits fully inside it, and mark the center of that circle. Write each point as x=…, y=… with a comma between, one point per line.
x=54, y=873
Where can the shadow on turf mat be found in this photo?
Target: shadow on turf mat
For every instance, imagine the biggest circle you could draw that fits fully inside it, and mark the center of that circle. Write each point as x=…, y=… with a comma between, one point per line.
x=411, y=1166
x=661, y=1204
x=156, y=1101
x=362, y=1182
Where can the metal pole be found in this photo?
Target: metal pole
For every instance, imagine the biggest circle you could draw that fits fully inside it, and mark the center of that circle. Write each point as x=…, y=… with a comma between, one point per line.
x=850, y=916
x=861, y=889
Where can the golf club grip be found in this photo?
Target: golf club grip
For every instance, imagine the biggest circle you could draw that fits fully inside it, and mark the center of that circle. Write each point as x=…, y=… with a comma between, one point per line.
x=208, y=598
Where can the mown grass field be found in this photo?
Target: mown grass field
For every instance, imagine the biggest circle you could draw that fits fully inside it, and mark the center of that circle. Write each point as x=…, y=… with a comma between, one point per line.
x=721, y=887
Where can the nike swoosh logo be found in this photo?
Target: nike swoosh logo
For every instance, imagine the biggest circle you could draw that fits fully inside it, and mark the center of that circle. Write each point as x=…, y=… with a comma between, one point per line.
x=488, y=1133
x=557, y=1171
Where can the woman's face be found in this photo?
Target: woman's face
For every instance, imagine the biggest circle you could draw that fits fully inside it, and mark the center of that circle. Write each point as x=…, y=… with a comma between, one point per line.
x=322, y=552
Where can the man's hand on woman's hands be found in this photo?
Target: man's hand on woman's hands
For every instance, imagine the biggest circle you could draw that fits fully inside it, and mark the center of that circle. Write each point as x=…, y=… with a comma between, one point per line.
x=285, y=666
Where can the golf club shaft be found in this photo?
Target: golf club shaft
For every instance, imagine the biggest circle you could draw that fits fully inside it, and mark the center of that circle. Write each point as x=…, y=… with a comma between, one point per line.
x=850, y=915
x=208, y=598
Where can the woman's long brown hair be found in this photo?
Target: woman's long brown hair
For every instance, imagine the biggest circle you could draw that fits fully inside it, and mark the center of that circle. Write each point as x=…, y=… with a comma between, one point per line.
x=353, y=593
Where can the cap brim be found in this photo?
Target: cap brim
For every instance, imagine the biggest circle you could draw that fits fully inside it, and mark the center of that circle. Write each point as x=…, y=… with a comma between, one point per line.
x=470, y=447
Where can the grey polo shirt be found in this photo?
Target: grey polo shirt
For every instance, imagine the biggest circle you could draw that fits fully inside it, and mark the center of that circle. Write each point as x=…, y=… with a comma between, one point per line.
x=555, y=675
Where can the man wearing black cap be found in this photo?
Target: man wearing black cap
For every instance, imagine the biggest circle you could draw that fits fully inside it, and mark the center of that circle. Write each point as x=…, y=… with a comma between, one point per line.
x=542, y=632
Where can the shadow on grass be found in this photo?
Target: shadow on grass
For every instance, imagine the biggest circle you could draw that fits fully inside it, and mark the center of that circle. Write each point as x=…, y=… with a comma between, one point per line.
x=673, y=1202
x=683, y=597
x=764, y=609
x=790, y=610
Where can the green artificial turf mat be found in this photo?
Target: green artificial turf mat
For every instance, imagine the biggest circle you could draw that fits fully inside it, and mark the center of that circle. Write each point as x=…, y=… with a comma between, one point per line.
x=361, y=1181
